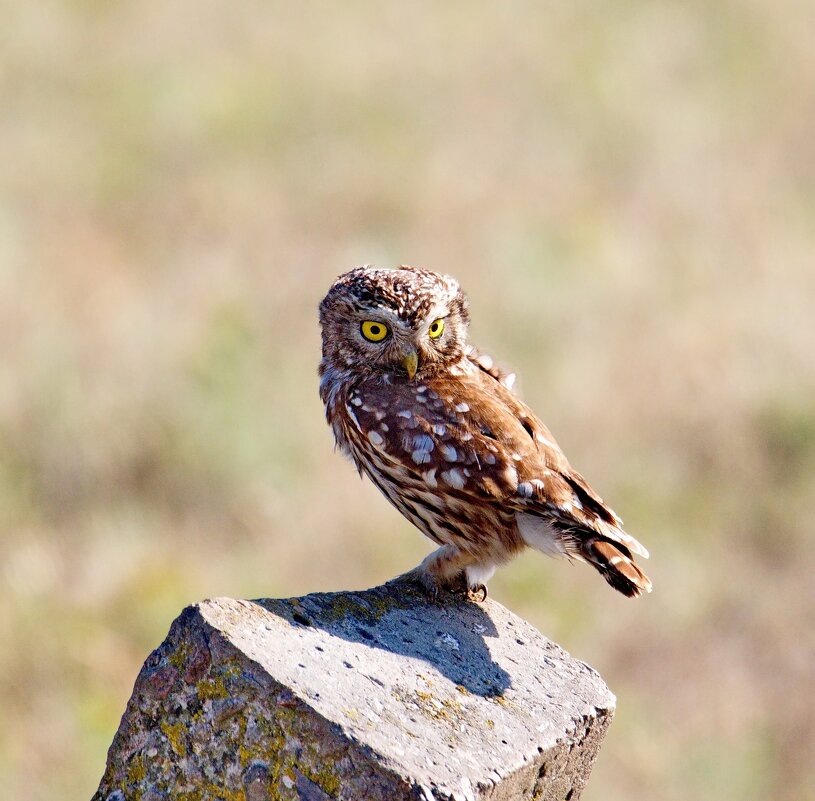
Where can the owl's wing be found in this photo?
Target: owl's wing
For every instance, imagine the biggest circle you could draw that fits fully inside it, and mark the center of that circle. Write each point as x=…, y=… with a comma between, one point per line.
x=470, y=437
x=548, y=486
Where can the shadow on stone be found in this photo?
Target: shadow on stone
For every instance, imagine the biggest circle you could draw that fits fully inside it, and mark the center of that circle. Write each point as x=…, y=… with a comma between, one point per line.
x=449, y=633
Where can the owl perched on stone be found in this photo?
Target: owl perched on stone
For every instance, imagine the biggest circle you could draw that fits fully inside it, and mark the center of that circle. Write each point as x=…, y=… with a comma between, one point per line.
x=437, y=427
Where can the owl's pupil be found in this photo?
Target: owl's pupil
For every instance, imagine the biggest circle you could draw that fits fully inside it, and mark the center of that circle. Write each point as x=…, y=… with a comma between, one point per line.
x=375, y=330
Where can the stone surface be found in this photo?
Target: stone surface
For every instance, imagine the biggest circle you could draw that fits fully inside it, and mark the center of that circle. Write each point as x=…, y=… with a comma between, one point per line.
x=382, y=694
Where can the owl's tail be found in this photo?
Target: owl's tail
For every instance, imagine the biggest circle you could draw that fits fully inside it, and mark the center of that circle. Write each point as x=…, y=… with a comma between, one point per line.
x=613, y=562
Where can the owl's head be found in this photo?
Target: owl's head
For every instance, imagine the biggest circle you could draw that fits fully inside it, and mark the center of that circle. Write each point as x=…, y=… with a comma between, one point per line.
x=404, y=321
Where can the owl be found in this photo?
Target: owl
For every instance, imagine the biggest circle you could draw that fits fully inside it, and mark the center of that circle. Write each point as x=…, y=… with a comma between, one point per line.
x=437, y=427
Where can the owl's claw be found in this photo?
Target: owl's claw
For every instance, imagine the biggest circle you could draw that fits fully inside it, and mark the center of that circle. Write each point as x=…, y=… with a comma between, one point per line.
x=477, y=593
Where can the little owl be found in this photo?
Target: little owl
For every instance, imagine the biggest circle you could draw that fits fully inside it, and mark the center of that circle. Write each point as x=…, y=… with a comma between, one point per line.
x=437, y=427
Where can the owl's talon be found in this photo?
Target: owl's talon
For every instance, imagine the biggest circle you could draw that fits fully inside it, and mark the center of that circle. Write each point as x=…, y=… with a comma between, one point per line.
x=477, y=593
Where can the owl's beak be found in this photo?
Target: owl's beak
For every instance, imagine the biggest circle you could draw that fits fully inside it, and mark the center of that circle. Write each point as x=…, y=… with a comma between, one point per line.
x=411, y=363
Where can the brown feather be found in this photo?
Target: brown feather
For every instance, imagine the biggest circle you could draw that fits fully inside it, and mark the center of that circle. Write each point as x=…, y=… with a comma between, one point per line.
x=616, y=567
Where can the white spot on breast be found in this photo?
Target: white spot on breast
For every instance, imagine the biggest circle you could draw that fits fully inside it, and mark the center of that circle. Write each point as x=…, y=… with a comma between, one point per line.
x=430, y=477
x=439, y=429
x=380, y=415
x=384, y=427
x=466, y=436
x=420, y=457
x=421, y=388
x=488, y=458
x=356, y=400
x=449, y=453
x=462, y=407
x=406, y=413
x=453, y=478
x=375, y=437
x=537, y=484
x=516, y=457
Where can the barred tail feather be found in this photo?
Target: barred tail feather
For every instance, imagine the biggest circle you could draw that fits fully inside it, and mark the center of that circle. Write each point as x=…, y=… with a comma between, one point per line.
x=614, y=563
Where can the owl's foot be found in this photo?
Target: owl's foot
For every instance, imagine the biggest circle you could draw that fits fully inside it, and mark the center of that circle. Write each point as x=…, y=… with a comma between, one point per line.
x=441, y=572
x=432, y=583
x=458, y=585
x=449, y=570
x=477, y=577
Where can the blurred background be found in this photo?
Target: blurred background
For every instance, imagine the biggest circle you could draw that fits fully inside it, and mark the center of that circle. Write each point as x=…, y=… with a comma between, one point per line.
x=627, y=192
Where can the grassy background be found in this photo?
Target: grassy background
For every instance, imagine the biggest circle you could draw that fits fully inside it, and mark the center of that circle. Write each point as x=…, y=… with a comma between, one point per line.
x=626, y=190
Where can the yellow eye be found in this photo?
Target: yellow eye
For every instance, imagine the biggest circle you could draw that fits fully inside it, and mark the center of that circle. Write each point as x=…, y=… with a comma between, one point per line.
x=436, y=329
x=373, y=331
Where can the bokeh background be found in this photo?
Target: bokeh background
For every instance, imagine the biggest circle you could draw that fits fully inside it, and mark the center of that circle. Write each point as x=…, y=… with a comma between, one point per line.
x=627, y=191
